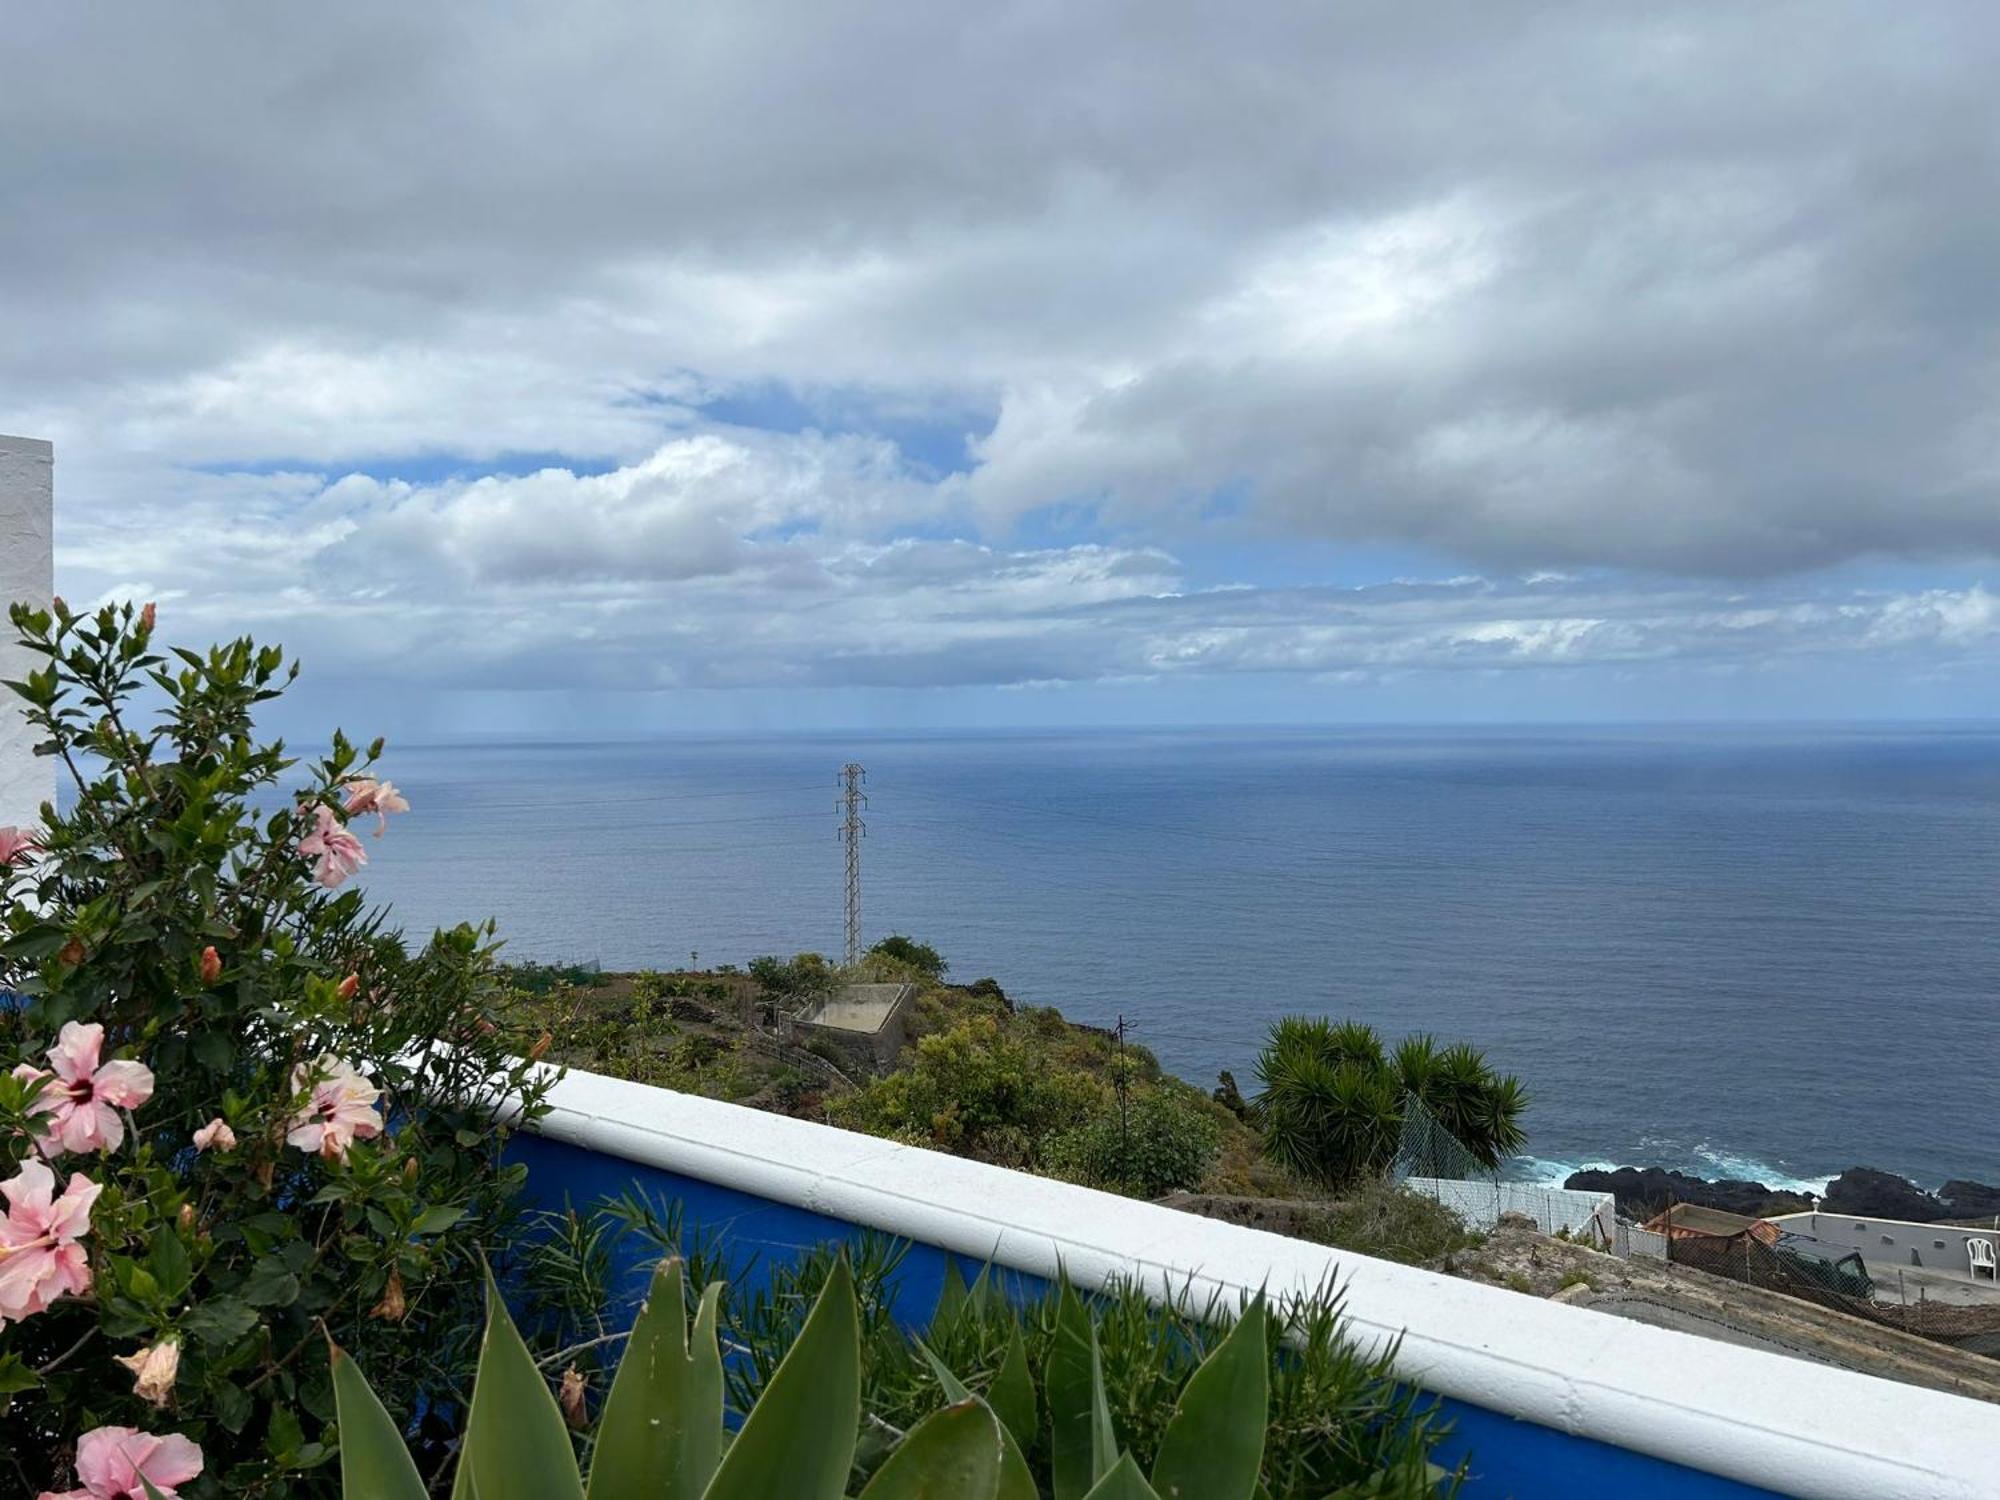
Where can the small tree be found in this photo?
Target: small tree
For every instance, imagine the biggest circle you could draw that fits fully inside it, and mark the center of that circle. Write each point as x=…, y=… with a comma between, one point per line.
x=1332, y=1102
x=919, y=958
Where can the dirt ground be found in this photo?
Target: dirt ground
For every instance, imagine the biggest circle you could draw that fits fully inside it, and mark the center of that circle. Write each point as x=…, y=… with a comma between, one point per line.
x=1517, y=1256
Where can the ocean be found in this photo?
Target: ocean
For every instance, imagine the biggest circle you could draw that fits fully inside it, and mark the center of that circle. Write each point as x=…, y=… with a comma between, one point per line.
x=1750, y=952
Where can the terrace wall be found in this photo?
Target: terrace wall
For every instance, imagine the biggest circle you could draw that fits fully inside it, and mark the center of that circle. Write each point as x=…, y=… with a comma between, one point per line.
x=27, y=572
x=1548, y=1399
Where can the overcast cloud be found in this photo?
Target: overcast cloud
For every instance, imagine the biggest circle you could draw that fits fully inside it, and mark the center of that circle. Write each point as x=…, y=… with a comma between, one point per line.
x=762, y=348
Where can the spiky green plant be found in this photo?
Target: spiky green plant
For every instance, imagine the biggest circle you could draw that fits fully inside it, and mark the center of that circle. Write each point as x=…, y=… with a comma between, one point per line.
x=1332, y=1103
x=661, y=1431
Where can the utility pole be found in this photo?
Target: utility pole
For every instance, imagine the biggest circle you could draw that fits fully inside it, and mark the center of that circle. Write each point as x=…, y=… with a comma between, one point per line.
x=852, y=831
x=1118, y=1069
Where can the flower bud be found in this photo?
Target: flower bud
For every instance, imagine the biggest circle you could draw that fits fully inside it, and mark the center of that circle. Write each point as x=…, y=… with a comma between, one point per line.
x=147, y=616
x=211, y=965
x=72, y=952
x=541, y=1047
x=349, y=986
x=185, y=1218
x=410, y=1170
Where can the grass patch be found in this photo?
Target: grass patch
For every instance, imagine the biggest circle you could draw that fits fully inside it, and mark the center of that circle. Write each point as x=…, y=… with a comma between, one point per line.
x=1392, y=1223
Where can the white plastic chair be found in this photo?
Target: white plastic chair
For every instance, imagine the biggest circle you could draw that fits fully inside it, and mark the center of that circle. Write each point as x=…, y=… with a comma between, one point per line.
x=1981, y=1254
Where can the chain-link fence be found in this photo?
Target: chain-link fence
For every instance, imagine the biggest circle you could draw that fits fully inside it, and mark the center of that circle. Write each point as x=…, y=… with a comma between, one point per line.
x=1432, y=1161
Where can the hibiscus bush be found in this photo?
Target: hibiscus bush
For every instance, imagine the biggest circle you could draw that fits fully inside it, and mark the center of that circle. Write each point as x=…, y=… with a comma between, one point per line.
x=239, y=1114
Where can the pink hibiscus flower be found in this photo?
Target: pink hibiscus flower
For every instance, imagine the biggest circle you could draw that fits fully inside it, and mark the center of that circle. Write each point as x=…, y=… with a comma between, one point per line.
x=16, y=842
x=40, y=1259
x=339, y=1111
x=82, y=1103
x=335, y=851
x=367, y=795
x=112, y=1460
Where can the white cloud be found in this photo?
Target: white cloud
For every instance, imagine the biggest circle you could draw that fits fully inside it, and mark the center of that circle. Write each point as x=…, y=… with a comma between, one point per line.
x=1581, y=295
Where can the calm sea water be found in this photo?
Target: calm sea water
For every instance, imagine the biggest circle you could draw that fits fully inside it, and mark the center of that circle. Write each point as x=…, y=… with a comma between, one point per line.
x=1771, y=953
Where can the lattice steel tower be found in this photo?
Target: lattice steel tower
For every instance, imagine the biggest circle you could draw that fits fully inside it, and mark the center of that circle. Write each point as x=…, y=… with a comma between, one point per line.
x=852, y=831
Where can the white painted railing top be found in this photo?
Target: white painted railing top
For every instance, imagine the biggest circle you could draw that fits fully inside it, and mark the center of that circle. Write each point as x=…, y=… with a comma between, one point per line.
x=1789, y=1425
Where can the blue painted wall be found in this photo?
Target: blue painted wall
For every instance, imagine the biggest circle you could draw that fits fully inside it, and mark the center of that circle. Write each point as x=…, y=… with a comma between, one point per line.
x=1509, y=1458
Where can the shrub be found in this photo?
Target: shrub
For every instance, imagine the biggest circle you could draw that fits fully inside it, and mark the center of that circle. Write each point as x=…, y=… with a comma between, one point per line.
x=291, y=1155
x=1165, y=1140
x=919, y=959
x=806, y=976
x=974, y=1090
x=1390, y=1222
x=1332, y=1105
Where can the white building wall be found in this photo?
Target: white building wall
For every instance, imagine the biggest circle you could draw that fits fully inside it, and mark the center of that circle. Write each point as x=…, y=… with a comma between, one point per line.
x=27, y=571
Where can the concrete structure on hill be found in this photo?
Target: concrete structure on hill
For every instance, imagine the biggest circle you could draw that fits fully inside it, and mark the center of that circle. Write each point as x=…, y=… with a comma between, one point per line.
x=27, y=572
x=865, y=1023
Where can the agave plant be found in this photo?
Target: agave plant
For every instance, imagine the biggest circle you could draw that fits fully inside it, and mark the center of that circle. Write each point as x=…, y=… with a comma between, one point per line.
x=661, y=1433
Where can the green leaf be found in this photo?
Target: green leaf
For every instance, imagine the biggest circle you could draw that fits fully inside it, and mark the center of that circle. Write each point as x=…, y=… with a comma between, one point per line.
x=953, y=1454
x=1081, y=1443
x=1123, y=1482
x=16, y=1375
x=954, y=1389
x=951, y=1298
x=373, y=1459
x=284, y=1436
x=1213, y=1447
x=220, y=1320
x=270, y=1284
x=798, y=1440
x=1012, y=1393
x=436, y=1220
x=1017, y=1481
x=661, y=1431
x=232, y=1406
x=515, y=1440
x=168, y=1260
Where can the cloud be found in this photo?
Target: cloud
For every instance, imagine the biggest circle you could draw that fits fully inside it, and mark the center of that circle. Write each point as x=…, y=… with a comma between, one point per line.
x=391, y=320
x=688, y=569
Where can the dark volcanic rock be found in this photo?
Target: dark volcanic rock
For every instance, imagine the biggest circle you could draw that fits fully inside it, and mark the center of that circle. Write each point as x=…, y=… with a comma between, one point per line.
x=1970, y=1200
x=1869, y=1194
x=1642, y=1192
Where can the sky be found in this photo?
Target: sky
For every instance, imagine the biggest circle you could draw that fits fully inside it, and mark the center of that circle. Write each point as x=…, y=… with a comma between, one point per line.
x=620, y=367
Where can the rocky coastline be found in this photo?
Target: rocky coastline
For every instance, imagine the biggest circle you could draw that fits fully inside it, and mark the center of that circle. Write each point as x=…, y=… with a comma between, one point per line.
x=1865, y=1192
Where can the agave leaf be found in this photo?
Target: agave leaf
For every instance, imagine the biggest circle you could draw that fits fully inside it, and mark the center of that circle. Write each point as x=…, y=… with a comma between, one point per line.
x=952, y=1453
x=1213, y=1447
x=952, y=1299
x=515, y=1442
x=1012, y=1393
x=661, y=1432
x=374, y=1460
x=1082, y=1445
x=985, y=1290
x=798, y=1440
x=1017, y=1480
x=954, y=1388
x=1123, y=1482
